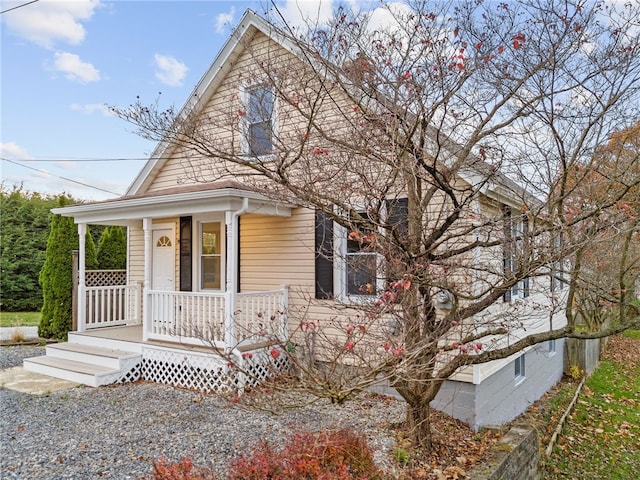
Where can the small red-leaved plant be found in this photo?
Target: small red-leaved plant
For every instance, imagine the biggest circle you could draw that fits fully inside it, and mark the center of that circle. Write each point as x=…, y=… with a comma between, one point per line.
x=182, y=470
x=340, y=455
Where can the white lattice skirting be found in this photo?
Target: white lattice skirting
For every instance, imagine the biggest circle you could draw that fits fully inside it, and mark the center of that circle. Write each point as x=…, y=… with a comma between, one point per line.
x=130, y=373
x=208, y=372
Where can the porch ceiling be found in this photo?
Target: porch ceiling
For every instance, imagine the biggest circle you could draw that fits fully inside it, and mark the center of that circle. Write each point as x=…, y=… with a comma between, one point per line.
x=129, y=210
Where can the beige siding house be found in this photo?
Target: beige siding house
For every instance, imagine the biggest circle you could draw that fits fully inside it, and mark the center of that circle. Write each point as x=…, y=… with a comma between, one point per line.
x=218, y=265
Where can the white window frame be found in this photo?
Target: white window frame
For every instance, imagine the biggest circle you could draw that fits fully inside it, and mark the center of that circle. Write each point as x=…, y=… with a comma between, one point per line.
x=197, y=258
x=340, y=271
x=552, y=347
x=522, y=289
x=558, y=282
x=520, y=369
x=246, y=102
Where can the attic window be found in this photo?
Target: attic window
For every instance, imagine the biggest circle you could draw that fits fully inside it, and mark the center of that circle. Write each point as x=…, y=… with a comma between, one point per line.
x=259, y=134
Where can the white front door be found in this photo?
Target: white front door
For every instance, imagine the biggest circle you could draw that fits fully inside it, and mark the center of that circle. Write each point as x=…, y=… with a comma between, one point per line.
x=163, y=267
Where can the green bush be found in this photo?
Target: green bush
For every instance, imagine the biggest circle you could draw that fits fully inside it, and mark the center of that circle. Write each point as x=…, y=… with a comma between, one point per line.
x=56, y=275
x=25, y=219
x=112, y=249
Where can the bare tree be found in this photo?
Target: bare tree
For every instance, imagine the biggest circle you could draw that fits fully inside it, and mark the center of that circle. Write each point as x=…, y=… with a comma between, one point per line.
x=607, y=268
x=443, y=141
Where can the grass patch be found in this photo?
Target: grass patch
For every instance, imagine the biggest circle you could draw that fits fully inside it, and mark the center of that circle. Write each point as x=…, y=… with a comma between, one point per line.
x=602, y=437
x=19, y=319
x=632, y=334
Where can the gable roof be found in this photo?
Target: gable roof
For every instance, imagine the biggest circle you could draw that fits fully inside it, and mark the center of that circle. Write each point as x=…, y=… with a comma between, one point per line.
x=249, y=25
x=494, y=184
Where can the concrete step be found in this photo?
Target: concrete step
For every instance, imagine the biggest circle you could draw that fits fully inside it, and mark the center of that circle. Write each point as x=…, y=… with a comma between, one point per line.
x=105, y=357
x=73, y=371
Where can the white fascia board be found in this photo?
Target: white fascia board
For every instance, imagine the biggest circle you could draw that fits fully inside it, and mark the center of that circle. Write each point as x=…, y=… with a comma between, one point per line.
x=130, y=210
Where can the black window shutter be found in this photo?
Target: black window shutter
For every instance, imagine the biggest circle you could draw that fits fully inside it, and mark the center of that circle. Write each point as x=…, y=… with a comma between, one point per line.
x=186, y=257
x=324, y=255
x=398, y=216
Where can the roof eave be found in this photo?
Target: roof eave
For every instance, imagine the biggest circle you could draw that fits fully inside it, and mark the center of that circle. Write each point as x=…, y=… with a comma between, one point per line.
x=126, y=211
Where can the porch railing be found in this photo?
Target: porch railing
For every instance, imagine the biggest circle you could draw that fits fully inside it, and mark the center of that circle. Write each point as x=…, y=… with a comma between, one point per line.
x=187, y=315
x=260, y=314
x=199, y=318
x=112, y=306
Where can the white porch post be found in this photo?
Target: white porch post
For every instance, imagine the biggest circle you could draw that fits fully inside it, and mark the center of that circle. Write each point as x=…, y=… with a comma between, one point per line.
x=284, y=330
x=146, y=304
x=230, y=337
x=82, y=289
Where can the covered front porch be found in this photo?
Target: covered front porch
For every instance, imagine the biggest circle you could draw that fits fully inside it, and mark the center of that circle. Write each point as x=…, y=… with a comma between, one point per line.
x=183, y=268
x=180, y=313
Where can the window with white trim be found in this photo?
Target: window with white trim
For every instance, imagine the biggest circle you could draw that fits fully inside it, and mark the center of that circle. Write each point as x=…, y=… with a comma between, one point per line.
x=551, y=346
x=357, y=266
x=260, y=103
x=520, y=368
x=347, y=265
x=361, y=266
x=210, y=256
x=516, y=230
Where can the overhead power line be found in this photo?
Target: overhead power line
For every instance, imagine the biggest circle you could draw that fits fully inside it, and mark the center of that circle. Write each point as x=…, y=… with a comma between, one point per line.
x=18, y=6
x=58, y=176
x=84, y=160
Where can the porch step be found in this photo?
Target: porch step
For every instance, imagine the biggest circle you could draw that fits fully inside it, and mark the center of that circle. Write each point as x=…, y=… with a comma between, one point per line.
x=105, y=357
x=92, y=366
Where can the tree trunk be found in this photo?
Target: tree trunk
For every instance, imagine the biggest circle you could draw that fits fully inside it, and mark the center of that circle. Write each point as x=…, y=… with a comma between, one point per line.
x=419, y=424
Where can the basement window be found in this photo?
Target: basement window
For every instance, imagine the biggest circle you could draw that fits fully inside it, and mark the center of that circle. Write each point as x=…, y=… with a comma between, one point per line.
x=520, y=369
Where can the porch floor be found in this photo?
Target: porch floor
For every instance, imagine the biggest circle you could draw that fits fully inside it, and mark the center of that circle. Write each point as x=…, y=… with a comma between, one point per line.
x=127, y=333
x=133, y=334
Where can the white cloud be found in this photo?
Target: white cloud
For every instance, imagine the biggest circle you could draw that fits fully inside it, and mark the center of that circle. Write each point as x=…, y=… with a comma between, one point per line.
x=169, y=70
x=91, y=108
x=304, y=12
x=13, y=151
x=74, y=68
x=224, y=20
x=50, y=21
x=388, y=17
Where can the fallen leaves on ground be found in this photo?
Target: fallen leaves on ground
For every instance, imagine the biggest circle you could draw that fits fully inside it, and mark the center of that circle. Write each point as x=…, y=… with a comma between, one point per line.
x=456, y=449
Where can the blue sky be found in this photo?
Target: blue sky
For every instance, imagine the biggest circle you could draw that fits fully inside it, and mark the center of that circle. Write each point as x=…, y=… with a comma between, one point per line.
x=63, y=61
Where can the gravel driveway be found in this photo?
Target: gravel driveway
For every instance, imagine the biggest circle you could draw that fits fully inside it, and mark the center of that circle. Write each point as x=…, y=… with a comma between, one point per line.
x=115, y=432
